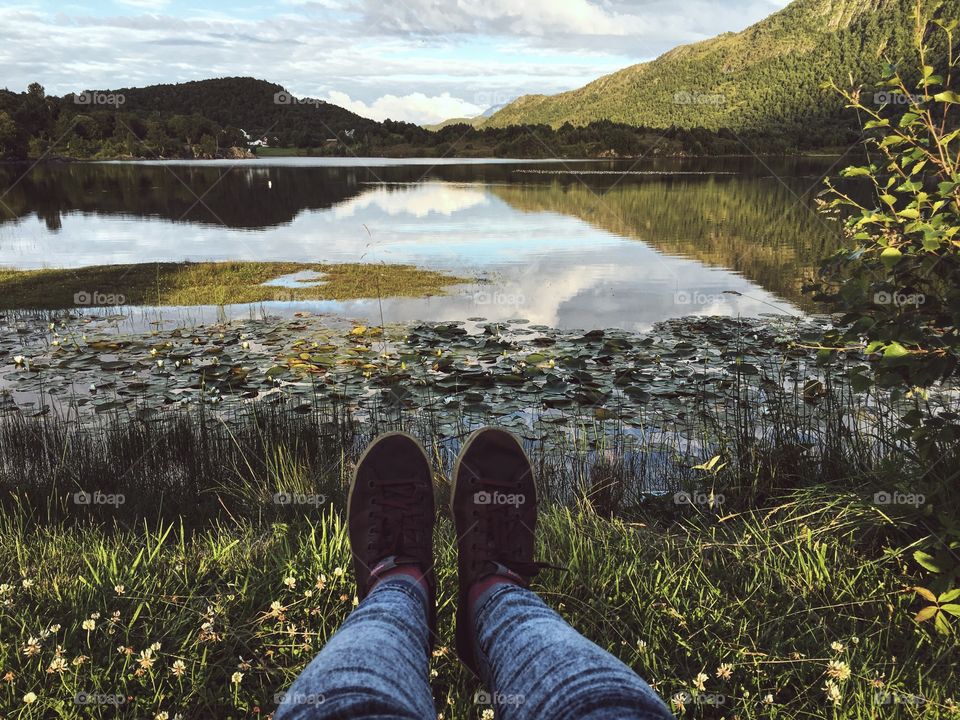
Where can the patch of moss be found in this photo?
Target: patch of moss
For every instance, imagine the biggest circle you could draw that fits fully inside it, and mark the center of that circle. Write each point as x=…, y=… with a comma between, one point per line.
x=211, y=283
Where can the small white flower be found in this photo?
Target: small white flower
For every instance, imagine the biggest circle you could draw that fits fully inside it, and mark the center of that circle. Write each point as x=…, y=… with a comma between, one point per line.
x=832, y=692
x=30, y=698
x=290, y=582
x=236, y=677
x=700, y=680
x=18, y=360
x=159, y=363
x=89, y=625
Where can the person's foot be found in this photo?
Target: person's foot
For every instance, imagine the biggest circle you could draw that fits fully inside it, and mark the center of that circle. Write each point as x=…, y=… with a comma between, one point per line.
x=391, y=515
x=494, y=507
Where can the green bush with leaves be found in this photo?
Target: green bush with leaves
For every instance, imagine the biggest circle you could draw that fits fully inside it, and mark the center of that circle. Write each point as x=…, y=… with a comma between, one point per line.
x=899, y=284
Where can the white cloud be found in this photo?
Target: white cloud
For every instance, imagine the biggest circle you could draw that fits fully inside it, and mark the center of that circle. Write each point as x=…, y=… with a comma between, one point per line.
x=418, y=200
x=415, y=107
x=144, y=4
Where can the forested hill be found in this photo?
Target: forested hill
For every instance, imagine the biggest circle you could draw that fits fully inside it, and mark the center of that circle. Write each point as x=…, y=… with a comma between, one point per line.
x=255, y=105
x=766, y=78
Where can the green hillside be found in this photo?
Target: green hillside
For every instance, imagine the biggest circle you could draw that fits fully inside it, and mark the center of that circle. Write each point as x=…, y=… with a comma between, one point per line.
x=257, y=106
x=765, y=78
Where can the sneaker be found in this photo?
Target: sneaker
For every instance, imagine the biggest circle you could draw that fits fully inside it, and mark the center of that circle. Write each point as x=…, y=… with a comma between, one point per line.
x=494, y=508
x=391, y=513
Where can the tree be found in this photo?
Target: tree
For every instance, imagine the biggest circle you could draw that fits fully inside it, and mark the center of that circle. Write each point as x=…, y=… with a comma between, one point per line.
x=12, y=145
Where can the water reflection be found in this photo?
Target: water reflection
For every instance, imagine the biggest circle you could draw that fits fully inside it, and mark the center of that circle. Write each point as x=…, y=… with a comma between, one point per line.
x=557, y=248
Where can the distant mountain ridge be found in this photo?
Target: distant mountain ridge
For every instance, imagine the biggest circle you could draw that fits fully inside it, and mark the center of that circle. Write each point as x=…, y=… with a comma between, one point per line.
x=765, y=78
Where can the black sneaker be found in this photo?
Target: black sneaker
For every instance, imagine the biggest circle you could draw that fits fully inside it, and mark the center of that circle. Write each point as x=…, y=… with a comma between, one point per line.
x=494, y=507
x=391, y=513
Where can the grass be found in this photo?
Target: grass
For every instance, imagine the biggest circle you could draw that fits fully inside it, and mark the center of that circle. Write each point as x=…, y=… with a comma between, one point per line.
x=776, y=594
x=782, y=582
x=211, y=283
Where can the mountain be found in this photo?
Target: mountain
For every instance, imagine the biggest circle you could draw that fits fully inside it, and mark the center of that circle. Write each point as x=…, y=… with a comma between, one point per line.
x=473, y=121
x=766, y=78
x=257, y=106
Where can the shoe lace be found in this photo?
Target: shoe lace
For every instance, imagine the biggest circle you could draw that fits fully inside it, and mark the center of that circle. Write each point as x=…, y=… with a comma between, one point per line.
x=499, y=530
x=391, y=513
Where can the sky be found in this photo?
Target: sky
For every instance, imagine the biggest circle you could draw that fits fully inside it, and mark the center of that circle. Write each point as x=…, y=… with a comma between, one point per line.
x=416, y=60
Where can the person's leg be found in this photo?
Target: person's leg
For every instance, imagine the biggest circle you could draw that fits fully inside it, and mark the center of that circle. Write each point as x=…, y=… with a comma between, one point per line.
x=376, y=665
x=535, y=665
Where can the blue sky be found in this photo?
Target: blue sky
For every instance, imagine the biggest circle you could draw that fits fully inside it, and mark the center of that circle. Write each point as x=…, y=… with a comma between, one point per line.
x=415, y=60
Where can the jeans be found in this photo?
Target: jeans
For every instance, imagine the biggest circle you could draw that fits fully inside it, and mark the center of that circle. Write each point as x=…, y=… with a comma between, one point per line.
x=533, y=663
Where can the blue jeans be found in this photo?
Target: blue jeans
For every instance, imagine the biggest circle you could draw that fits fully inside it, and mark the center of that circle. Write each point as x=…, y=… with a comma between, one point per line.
x=534, y=664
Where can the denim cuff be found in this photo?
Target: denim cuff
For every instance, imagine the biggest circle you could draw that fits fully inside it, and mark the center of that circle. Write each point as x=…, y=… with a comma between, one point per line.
x=482, y=605
x=405, y=583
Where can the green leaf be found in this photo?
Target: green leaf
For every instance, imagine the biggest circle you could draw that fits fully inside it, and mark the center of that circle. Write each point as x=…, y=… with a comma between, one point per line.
x=926, y=560
x=949, y=595
x=910, y=214
x=951, y=608
x=948, y=97
x=891, y=256
x=908, y=119
x=855, y=172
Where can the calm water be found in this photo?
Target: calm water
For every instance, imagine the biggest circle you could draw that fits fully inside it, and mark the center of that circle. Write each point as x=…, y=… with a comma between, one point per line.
x=566, y=244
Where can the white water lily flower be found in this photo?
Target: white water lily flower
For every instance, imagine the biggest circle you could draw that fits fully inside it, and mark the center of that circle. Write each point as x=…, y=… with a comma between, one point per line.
x=18, y=359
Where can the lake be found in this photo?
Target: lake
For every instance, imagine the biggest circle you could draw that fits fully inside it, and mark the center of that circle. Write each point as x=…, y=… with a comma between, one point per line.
x=566, y=244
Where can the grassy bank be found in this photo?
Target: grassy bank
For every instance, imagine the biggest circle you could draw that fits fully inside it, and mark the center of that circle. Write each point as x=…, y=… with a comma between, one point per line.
x=212, y=283
x=756, y=615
